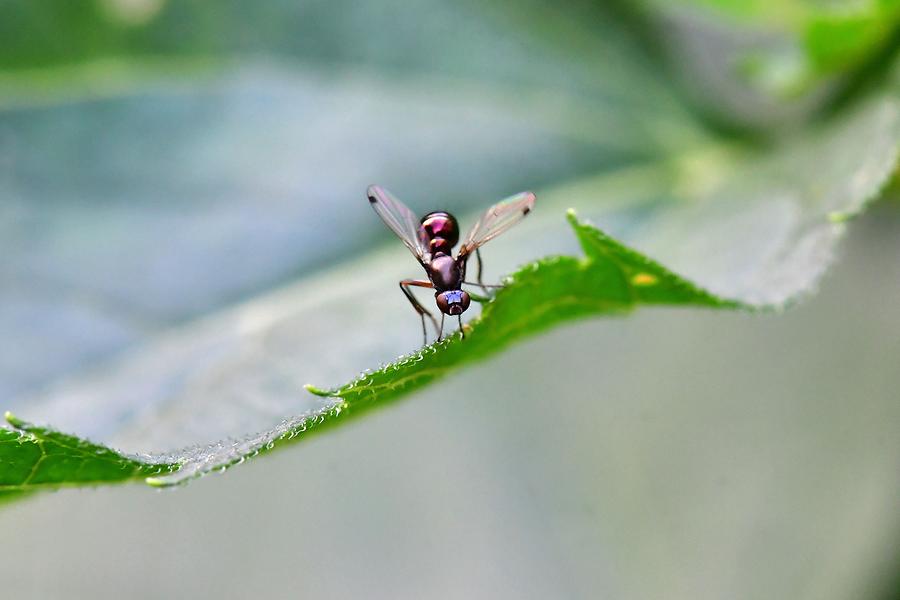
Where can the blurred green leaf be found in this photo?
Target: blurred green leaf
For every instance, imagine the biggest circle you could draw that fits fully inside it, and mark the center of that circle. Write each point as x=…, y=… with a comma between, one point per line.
x=840, y=41
x=835, y=36
x=774, y=63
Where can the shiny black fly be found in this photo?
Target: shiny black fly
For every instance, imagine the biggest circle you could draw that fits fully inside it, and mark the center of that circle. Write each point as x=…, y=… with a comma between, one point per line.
x=431, y=240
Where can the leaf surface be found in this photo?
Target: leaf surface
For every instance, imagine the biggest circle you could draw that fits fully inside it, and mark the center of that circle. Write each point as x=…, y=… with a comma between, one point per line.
x=35, y=458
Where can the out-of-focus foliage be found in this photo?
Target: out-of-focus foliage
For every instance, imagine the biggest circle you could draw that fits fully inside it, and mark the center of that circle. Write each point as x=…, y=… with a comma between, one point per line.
x=835, y=36
x=771, y=64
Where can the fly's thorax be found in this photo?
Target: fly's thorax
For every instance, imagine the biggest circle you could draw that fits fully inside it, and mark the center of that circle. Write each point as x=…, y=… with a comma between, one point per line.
x=444, y=272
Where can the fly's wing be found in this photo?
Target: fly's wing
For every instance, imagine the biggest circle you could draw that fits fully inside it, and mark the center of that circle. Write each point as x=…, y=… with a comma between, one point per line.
x=399, y=218
x=496, y=220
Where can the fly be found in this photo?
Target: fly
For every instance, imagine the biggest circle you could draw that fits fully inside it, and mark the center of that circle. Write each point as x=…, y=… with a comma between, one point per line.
x=431, y=240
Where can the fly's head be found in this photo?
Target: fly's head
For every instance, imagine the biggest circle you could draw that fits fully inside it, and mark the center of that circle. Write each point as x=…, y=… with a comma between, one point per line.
x=453, y=302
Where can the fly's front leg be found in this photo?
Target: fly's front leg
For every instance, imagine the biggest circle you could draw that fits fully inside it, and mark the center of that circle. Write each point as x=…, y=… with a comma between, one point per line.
x=404, y=285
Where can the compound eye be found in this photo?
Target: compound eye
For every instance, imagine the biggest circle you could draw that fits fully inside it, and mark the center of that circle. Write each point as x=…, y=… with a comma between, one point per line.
x=464, y=301
x=454, y=302
x=442, y=303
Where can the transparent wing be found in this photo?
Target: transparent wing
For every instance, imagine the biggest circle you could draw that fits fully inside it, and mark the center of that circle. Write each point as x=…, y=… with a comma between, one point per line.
x=399, y=218
x=496, y=220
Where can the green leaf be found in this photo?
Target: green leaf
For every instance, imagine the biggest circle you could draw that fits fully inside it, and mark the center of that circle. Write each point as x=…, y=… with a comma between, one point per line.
x=611, y=279
x=763, y=64
x=37, y=458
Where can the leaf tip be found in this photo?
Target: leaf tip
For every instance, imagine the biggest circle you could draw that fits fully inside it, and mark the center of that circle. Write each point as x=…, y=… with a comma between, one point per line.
x=838, y=216
x=157, y=482
x=318, y=391
x=572, y=217
x=14, y=420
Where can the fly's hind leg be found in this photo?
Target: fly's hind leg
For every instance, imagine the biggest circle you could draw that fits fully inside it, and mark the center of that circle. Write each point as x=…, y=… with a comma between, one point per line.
x=484, y=287
x=480, y=268
x=404, y=285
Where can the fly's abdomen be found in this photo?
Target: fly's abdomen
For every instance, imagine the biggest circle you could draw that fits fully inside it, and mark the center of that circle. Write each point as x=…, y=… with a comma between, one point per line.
x=441, y=230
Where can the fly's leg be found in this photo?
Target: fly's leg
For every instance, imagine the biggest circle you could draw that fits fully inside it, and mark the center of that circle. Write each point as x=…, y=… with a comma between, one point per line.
x=480, y=267
x=441, y=334
x=462, y=332
x=404, y=285
x=484, y=287
x=477, y=297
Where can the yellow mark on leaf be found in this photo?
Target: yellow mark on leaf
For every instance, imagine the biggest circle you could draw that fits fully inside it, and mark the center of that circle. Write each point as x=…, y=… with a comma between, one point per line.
x=643, y=279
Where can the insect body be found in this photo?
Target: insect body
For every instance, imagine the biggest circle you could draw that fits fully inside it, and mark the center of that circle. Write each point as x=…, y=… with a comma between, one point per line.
x=431, y=240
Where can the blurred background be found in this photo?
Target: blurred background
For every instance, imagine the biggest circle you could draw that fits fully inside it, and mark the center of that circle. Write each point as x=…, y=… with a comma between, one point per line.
x=185, y=244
